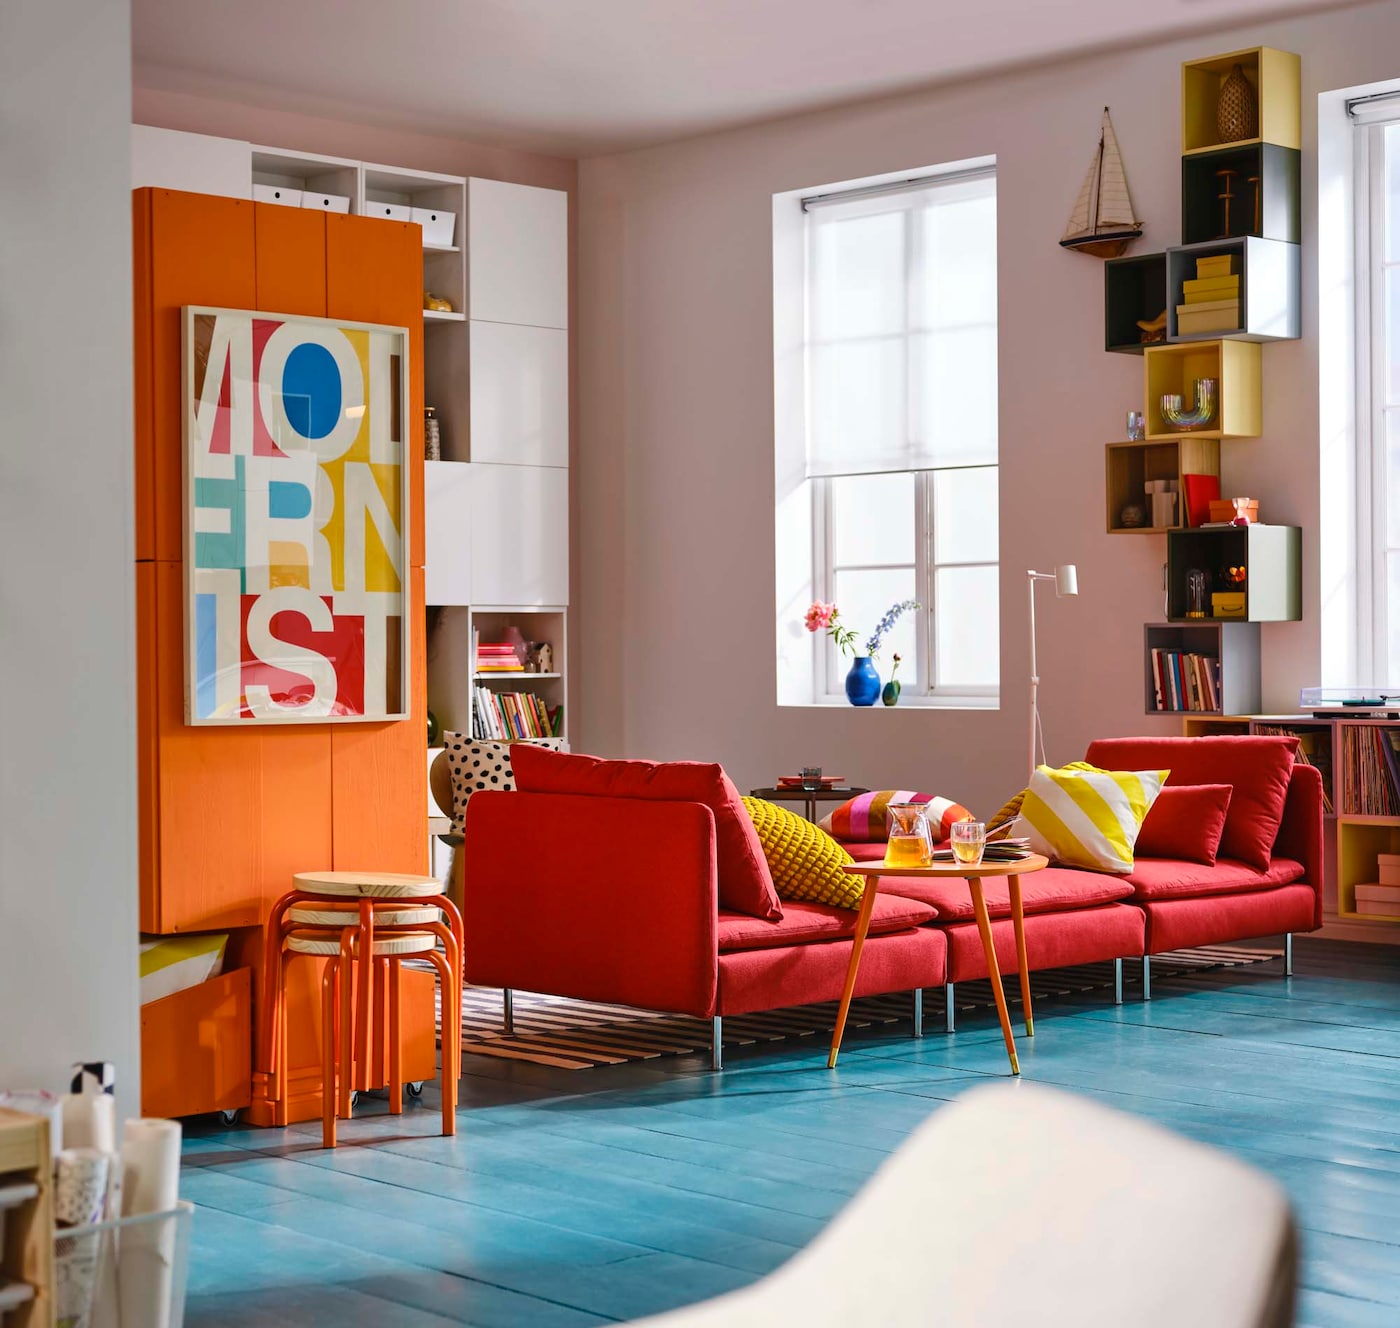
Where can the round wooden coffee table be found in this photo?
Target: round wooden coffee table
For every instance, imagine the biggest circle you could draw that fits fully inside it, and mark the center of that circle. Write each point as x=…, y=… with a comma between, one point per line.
x=1013, y=871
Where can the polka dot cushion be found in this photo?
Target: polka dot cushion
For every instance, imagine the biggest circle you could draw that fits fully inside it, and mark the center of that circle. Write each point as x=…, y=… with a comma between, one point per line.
x=475, y=766
x=805, y=861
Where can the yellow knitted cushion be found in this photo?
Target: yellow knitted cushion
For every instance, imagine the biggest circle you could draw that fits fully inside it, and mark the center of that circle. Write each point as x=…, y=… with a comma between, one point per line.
x=805, y=861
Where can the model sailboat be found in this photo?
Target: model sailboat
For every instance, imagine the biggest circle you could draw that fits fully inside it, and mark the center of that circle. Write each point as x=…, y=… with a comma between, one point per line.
x=1102, y=222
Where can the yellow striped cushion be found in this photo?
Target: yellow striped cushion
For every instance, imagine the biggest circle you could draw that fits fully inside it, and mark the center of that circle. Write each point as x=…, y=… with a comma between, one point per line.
x=1087, y=817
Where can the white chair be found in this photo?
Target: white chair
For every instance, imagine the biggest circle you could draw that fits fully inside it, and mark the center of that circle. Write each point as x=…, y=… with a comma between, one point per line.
x=1021, y=1205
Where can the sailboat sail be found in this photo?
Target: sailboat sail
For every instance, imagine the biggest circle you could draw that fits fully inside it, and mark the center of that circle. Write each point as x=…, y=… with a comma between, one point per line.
x=1102, y=220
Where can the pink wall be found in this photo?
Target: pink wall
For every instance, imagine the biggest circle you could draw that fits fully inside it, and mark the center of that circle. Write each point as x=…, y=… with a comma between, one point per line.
x=675, y=567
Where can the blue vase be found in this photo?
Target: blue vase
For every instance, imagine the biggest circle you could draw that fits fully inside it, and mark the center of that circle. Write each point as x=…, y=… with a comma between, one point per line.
x=862, y=682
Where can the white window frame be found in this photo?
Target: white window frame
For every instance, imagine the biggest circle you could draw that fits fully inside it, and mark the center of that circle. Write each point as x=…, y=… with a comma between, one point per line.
x=922, y=683
x=1372, y=514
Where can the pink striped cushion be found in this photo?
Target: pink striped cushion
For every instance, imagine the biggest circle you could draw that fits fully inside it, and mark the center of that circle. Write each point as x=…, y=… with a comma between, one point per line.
x=865, y=819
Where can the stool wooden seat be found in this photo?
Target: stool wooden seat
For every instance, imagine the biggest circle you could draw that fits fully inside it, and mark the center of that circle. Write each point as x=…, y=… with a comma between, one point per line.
x=367, y=885
x=342, y=916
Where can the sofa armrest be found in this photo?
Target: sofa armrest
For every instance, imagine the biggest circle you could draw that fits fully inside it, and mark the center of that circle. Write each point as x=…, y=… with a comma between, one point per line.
x=599, y=899
x=1300, y=832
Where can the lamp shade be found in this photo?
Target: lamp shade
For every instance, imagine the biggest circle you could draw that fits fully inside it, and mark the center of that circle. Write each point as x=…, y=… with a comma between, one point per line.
x=1066, y=580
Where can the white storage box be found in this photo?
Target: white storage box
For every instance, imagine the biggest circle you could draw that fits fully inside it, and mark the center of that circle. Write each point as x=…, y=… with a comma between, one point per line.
x=325, y=202
x=438, y=227
x=276, y=193
x=390, y=211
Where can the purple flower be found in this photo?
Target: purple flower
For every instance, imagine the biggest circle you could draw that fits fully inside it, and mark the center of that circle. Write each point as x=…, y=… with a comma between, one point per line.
x=872, y=646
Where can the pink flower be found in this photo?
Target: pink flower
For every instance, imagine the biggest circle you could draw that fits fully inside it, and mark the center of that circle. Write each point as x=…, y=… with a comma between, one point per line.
x=819, y=616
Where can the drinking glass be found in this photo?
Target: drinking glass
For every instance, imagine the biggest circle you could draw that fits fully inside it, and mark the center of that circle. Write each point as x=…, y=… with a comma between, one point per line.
x=969, y=839
x=811, y=777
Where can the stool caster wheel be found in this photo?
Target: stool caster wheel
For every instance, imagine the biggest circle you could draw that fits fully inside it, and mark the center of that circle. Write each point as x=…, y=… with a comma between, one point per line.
x=415, y=1089
x=228, y=1117
x=354, y=1098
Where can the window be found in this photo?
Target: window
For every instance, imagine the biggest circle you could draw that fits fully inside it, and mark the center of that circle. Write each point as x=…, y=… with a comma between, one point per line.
x=900, y=398
x=1378, y=385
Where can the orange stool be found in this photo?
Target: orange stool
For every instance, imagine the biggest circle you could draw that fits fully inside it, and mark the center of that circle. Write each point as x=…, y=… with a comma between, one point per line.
x=341, y=951
x=360, y=903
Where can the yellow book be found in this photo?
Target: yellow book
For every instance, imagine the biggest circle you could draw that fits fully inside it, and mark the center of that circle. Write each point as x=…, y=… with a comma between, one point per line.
x=1219, y=265
x=1210, y=288
x=1190, y=322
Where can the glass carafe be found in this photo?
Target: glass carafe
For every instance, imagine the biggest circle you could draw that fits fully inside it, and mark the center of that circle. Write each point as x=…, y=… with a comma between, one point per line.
x=911, y=842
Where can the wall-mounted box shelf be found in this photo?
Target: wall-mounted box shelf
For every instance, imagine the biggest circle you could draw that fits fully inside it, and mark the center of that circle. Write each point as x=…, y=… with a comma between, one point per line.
x=1134, y=289
x=1232, y=646
x=1277, y=80
x=1271, y=208
x=1270, y=280
x=1271, y=555
x=1128, y=466
x=1174, y=368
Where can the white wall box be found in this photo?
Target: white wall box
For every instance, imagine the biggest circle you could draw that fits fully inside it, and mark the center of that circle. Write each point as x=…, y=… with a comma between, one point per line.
x=325, y=202
x=519, y=394
x=518, y=253
x=276, y=193
x=196, y=163
x=389, y=211
x=447, y=532
x=520, y=535
x=439, y=228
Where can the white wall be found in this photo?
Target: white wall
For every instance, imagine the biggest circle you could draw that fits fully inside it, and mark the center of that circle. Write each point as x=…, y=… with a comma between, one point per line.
x=675, y=565
x=68, y=898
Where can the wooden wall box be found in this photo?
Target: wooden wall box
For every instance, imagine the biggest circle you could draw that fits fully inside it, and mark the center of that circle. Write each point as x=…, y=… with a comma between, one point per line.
x=1277, y=80
x=1236, y=367
x=1127, y=466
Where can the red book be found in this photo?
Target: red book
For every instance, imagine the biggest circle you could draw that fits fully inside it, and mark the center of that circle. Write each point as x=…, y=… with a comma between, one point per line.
x=1198, y=491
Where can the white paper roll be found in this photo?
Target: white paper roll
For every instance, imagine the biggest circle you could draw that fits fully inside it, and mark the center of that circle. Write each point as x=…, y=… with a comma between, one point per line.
x=90, y=1121
x=38, y=1102
x=80, y=1186
x=151, y=1184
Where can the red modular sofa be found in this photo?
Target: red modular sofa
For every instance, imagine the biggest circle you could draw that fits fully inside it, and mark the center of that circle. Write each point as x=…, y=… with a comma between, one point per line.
x=616, y=899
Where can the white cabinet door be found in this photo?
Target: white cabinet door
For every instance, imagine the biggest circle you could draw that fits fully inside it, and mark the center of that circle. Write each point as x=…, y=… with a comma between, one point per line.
x=196, y=163
x=520, y=535
x=517, y=253
x=447, y=531
x=519, y=394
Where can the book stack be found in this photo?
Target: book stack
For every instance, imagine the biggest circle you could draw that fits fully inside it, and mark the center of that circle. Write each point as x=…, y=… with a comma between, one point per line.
x=1212, y=300
x=1369, y=771
x=512, y=716
x=1382, y=898
x=497, y=657
x=1185, y=681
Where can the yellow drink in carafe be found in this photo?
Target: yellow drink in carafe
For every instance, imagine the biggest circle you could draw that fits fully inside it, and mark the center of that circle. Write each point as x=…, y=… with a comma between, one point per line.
x=907, y=851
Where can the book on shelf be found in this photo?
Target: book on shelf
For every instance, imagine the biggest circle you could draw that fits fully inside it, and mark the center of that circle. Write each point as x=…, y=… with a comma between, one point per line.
x=1185, y=681
x=1368, y=771
x=513, y=716
x=1314, y=749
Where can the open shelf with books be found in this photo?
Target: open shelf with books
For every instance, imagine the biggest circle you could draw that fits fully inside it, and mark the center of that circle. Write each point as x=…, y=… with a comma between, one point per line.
x=1209, y=668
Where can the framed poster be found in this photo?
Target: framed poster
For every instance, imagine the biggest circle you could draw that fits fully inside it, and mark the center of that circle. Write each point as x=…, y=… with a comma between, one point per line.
x=296, y=519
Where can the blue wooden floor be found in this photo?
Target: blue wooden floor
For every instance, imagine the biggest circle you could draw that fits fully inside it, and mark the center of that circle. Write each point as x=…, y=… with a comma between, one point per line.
x=573, y=1198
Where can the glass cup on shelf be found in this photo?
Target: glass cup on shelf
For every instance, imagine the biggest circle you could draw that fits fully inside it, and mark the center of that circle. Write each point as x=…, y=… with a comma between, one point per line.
x=969, y=838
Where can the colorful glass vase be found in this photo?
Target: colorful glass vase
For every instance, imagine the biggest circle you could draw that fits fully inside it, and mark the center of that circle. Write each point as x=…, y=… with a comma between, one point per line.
x=862, y=682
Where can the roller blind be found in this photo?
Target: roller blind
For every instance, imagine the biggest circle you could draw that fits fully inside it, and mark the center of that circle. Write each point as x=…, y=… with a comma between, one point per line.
x=901, y=327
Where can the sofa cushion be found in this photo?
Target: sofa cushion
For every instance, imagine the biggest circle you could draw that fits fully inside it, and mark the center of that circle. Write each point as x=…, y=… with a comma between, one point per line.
x=806, y=862
x=866, y=817
x=476, y=766
x=1054, y=890
x=864, y=852
x=1087, y=817
x=1167, y=878
x=1186, y=823
x=1258, y=769
x=745, y=883
x=802, y=922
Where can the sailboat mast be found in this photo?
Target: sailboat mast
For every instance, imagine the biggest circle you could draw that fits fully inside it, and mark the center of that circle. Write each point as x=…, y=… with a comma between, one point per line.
x=1098, y=184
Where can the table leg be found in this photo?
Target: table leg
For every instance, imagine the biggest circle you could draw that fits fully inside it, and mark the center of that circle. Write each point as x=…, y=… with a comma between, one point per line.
x=984, y=928
x=867, y=906
x=1013, y=885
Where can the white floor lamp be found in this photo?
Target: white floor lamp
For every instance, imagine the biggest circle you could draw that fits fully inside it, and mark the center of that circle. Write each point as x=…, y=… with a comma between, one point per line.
x=1066, y=579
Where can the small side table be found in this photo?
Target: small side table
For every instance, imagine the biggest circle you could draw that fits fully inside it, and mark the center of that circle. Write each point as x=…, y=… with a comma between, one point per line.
x=808, y=797
x=1013, y=871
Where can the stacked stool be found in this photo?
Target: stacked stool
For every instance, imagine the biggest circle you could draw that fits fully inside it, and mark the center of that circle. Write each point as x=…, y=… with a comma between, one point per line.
x=364, y=924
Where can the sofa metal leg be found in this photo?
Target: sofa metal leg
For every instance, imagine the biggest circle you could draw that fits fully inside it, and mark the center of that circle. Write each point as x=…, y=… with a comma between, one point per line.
x=717, y=1043
x=918, y=1012
x=1118, y=982
x=1147, y=977
x=1288, y=954
x=950, y=1013
x=508, y=1011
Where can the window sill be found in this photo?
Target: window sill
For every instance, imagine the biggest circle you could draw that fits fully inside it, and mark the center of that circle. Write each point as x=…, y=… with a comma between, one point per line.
x=906, y=702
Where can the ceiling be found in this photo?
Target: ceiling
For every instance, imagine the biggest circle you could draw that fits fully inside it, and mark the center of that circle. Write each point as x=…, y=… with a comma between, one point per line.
x=584, y=77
